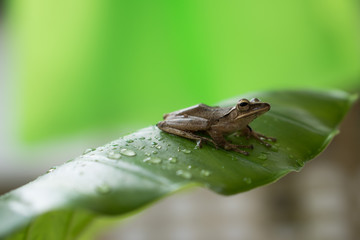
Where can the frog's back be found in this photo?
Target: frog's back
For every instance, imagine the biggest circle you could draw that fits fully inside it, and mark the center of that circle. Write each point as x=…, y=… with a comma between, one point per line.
x=201, y=110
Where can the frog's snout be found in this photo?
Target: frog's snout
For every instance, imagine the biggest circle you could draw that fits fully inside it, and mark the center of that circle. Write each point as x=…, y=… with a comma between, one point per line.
x=267, y=106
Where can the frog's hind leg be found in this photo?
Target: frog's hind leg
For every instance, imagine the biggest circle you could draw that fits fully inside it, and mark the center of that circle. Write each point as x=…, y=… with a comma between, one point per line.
x=182, y=133
x=184, y=126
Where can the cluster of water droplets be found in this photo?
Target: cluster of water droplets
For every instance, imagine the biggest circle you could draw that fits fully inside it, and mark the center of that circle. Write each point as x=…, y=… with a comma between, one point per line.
x=114, y=151
x=247, y=180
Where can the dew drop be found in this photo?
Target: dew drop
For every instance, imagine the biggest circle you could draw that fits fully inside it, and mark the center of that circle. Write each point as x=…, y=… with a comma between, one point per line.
x=103, y=189
x=154, y=152
x=274, y=148
x=186, y=150
x=172, y=159
x=147, y=154
x=154, y=160
x=88, y=150
x=189, y=167
x=158, y=147
x=154, y=143
x=113, y=155
x=184, y=174
x=141, y=138
x=247, y=180
x=51, y=170
x=262, y=156
x=300, y=163
x=129, y=141
x=205, y=172
x=127, y=152
x=141, y=147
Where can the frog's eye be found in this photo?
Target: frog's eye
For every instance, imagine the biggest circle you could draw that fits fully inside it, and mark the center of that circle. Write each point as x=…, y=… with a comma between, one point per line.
x=254, y=100
x=243, y=105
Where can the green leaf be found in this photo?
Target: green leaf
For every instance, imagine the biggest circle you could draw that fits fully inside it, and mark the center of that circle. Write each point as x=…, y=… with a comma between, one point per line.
x=135, y=170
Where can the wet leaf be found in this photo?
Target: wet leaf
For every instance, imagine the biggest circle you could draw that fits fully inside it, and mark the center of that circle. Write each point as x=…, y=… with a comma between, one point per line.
x=135, y=170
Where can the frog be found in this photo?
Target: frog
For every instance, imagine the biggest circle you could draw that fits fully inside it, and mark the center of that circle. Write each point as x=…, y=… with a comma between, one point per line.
x=216, y=122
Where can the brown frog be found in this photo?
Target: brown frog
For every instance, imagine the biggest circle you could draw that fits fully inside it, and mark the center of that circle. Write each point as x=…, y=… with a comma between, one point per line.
x=217, y=122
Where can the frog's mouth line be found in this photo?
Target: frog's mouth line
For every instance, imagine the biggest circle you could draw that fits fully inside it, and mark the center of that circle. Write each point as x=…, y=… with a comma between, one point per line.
x=255, y=111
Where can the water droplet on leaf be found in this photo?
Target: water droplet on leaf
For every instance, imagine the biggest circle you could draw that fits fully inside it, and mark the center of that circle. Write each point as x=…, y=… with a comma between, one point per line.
x=300, y=163
x=186, y=151
x=274, y=148
x=154, y=160
x=172, y=159
x=184, y=174
x=127, y=152
x=113, y=155
x=205, y=173
x=247, y=180
x=51, y=169
x=103, y=189
x=262, y=156
x=88, y=150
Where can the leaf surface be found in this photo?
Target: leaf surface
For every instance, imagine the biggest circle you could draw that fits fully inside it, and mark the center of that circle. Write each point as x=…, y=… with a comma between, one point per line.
x=135, y=170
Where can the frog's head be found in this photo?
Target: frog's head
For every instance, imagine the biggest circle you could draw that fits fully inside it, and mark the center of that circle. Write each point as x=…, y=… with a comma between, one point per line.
x=251, y=109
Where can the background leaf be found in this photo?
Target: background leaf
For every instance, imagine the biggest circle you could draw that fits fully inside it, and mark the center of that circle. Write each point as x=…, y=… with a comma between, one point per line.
x=72, y=58
x=135, y=170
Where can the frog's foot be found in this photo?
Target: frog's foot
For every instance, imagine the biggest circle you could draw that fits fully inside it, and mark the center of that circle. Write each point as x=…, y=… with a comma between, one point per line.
x=248, y=132
x=236, y=148
x=261, y=138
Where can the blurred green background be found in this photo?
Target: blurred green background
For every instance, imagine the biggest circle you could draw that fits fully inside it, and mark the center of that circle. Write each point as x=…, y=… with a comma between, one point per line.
x=84, y=65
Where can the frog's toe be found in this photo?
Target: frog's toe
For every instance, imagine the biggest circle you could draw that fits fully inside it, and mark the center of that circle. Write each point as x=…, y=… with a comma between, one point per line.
x=268, y=145
x=241, y=151
x=236, y=148
x=247, y=146
x=272, y=139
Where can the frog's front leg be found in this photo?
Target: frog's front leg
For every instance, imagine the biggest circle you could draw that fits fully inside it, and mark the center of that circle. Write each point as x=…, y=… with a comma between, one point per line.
x=220, y=140
x=184, y=126
x=258, y=136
